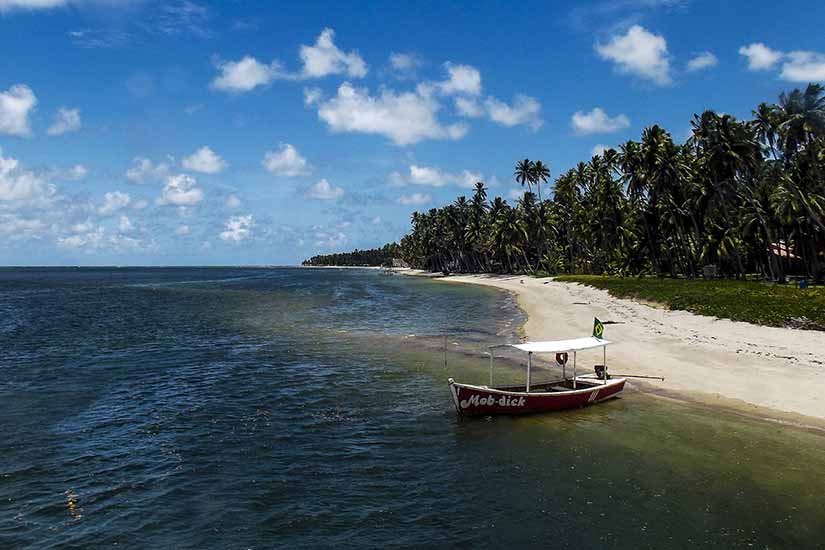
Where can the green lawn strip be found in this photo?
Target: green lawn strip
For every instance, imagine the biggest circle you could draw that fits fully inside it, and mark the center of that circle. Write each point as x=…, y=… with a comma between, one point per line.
x=759, y=303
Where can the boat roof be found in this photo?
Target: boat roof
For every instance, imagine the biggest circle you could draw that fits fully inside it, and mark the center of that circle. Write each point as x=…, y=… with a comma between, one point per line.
x=560, y=346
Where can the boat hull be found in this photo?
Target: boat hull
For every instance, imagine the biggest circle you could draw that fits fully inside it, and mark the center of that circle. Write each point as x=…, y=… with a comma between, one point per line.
x=479, y=400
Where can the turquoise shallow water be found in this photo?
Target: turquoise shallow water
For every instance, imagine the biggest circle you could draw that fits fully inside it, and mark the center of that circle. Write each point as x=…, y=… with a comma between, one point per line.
x=263, y=408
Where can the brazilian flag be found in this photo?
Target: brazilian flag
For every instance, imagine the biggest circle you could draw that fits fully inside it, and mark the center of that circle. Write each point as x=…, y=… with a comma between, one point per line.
x=598, y=328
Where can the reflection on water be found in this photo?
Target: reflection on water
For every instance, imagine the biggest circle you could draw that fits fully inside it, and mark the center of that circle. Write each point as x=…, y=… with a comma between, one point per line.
x=235, y=408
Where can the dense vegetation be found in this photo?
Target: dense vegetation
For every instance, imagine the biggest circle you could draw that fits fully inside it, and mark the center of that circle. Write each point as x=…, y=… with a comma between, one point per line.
x=373, y=257
x=744, y=196
x=764, y=304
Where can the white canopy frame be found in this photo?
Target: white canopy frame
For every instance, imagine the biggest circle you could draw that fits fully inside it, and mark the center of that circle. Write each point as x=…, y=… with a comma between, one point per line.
x=555, y=346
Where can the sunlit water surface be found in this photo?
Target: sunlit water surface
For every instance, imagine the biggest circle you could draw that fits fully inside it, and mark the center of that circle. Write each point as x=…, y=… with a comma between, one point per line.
x=263, y=408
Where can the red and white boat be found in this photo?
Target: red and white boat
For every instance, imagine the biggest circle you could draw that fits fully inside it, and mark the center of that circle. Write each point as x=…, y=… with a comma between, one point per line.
x=567, y=393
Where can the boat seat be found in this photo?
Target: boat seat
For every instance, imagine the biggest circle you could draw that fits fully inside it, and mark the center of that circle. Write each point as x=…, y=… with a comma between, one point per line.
x=559, y=388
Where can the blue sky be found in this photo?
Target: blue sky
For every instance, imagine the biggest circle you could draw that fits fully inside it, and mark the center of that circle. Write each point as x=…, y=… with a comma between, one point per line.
x=157, y=133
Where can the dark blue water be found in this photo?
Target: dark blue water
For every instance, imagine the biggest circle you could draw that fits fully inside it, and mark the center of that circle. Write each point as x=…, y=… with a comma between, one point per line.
x=291, y=408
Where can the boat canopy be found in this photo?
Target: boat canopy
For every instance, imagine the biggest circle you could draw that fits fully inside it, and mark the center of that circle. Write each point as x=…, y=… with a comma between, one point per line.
x=561, y=346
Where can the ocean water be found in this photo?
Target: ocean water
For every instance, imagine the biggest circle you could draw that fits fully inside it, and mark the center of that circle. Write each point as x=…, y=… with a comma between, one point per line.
x=295, y=408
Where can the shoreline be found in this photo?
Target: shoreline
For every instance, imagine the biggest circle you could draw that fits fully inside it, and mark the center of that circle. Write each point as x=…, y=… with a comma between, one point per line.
x=774, y=374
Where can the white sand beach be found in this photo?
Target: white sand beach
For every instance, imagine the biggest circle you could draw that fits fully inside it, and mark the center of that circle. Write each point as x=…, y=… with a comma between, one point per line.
x=714, y=361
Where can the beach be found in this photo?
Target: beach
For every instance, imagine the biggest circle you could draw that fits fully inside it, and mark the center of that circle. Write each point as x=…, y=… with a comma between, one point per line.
x=775, y=373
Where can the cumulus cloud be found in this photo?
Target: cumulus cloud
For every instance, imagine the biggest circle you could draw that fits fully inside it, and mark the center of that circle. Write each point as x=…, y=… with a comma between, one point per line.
x=330, y=239
x=405, y=65
x=245, y=75
x=597, y=122
x=76, y=172
x=469, y=107
x=237, y=228
x=205, y=161
x=760, y=57
x=797, y=66
x=325, y=58
x=312, y=95
x=704, y=60
x=144, y=170
x=524, y=110
x=10, y=5
x=640, y=53
x=180, y=190
x=324, y=190
x=405, y=118
x=65, y=120
x=16, y=104
x=804, y=66
x=124, y=224
x=415, y=199
x=434, y=177
x=20, y=187
x=461, y=79
x=113, y=201
x=286, y=161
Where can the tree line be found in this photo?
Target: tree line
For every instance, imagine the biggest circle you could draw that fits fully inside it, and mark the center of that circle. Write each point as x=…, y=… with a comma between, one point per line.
x=744, y=196
x=370, y=258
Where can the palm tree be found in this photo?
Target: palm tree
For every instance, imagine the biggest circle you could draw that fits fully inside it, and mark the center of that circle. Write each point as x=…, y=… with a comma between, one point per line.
x=524, y=173
x=540, y=174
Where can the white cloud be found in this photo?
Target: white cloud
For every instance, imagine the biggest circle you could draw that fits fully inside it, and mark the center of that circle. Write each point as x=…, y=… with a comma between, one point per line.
x=286, y=161
x=125, y=224
x=434, y=177
x=524, y=110
x=237, y=228
x=91, y=238
x=205, y=161
x=376, y=220
x=29, y=5
x=405, y=118
x=324, y=58
x=245, y=75
x=330, y=240
x=468, y=107
x=16, y=104
x=597, y=122
x=65, y=120
x=415, y=199
x=19, y=187
x=639, y=52
x=180, y=190
x=312, y=96
x=599, y=149
x=462, y=79
x=704, y=60
x=76, y=172
x=405, y=65
x=324, y=190
x=144, y=170
x=232, y=201
x=113, y=201
x=16, y=228
x=32, y=5
x=803, y=66
x=797, y=66
x=182, y=230
x=760, y=57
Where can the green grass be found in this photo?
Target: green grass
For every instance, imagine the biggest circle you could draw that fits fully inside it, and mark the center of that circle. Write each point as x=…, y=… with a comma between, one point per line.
x=760, y=303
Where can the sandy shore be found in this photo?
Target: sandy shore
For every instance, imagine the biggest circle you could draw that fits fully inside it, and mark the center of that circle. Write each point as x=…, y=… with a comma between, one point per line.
x=705, y=359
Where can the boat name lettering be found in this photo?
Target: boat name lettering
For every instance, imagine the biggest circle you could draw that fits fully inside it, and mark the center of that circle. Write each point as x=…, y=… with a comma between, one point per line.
x=503, y=401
